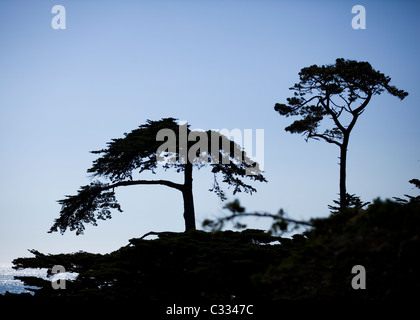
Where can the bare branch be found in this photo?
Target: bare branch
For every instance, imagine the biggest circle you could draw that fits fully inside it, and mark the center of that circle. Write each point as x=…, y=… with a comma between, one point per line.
x=268, y=215
x=348, y=109
x=314, y=97
x=329, y=140
x=138, y=182
x=233, y=216
x=336, y=105
x=363, y=105
x=332, y=113
x=357, y=112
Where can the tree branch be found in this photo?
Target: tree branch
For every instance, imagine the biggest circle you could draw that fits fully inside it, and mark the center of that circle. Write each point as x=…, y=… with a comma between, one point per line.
x=357, y=112
x=269, y=215
x=338, y=106
x=348, y=109
x=314, y=97
x=363, y=105
x=329, y=140
x=138, y=182
x=153, y=233
x=220, y=221
x=332, y=113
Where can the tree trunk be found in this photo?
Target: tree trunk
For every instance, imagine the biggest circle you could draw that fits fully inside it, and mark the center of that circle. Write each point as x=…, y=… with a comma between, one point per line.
x=343, y=163
x=187, y=194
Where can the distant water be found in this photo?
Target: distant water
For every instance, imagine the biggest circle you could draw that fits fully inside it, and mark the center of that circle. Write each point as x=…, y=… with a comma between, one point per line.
x=9, y=283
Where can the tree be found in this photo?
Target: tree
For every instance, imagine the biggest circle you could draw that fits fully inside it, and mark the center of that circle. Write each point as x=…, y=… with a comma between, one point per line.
x=198, y=266
x=142, y=150
x=416, y=183
x=340, y=91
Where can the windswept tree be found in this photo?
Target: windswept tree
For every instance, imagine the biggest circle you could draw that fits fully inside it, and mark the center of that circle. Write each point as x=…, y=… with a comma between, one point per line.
x=142, y=150
x=340, y=92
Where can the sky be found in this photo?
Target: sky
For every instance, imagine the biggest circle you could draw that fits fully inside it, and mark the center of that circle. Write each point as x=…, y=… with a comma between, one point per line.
x=216, y=64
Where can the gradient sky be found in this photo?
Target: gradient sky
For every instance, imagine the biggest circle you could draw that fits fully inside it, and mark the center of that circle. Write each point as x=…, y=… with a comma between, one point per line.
x=216, y=64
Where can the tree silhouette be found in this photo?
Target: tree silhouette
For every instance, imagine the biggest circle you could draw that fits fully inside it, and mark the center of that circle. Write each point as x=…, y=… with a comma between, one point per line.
x=340, y=91
x=281, y=224
x=416, y=183
x=141, y=150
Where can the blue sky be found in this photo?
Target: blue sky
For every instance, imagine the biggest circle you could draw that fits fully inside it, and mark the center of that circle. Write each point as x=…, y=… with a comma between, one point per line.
x=216, y=64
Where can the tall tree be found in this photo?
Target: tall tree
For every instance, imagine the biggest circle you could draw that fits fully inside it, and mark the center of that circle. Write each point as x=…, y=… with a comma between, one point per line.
x=341, y=92
x=141, y=150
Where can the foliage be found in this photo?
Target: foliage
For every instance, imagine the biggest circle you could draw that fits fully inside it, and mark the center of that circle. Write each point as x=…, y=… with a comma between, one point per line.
x=137, y=152
x=80, y=209
x=340, y=92
x=353, y=201
x=250, y=265
x=416, y=183
x=333, y=89
x=383, y=238
x=184, y=266
x=281, y=224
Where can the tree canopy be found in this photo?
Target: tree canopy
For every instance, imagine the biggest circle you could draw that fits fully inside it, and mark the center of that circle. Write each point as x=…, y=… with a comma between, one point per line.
x=141, y=150
x=340, y=92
